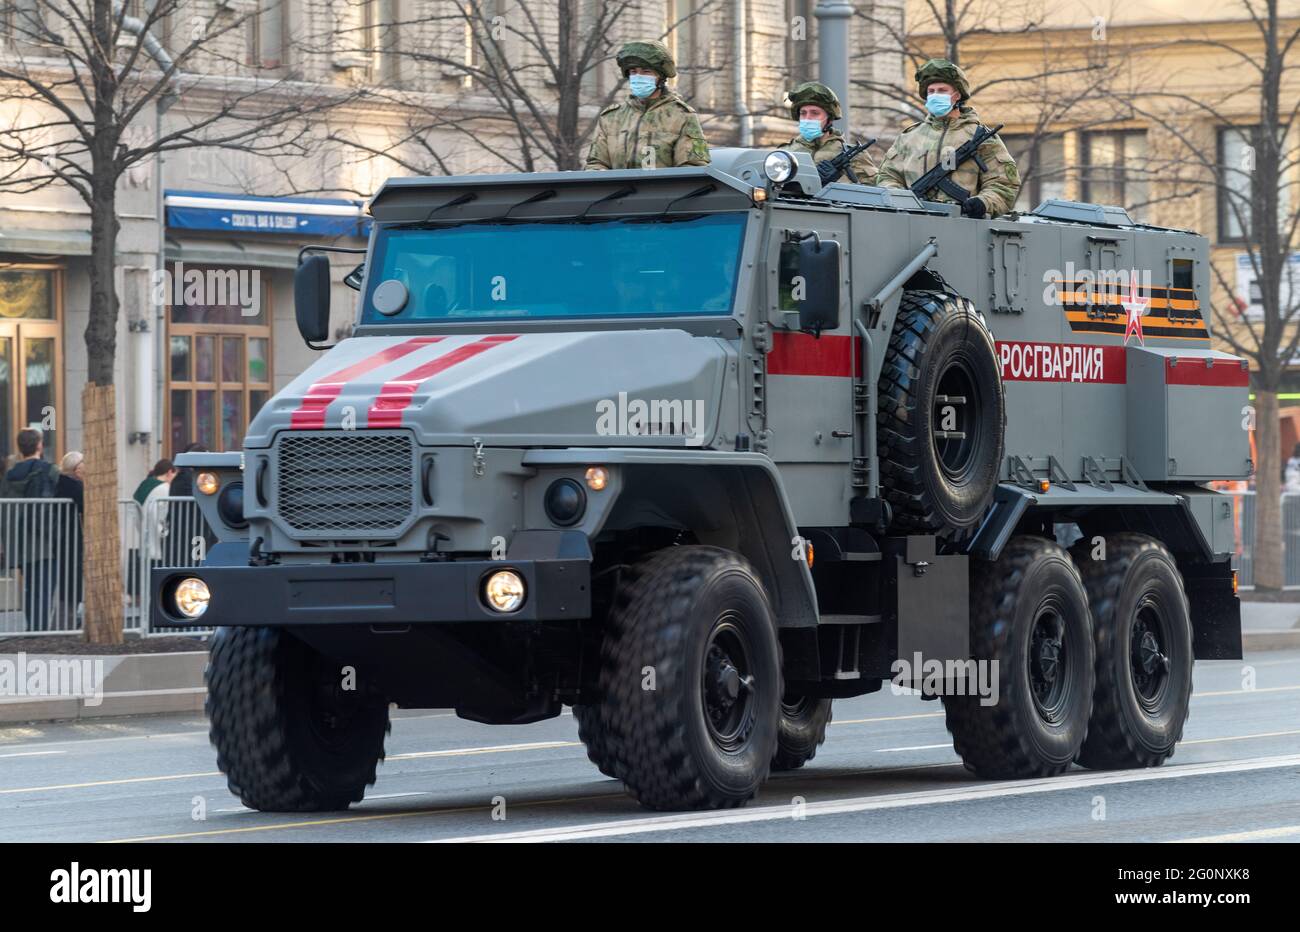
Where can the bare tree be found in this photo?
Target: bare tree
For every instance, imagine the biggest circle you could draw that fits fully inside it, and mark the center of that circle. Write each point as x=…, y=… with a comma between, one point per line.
x=1237, y=146
x=87, y=81
x=525, y=77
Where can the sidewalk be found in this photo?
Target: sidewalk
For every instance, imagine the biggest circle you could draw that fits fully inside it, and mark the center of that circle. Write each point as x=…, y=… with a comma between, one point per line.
x=1270, y=625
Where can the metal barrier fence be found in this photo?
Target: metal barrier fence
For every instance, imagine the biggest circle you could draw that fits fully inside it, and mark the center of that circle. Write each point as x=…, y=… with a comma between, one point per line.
x=42, y=552
x=1244, y=520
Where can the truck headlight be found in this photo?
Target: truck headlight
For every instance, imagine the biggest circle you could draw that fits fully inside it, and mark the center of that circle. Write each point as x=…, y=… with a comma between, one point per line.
x=207, y=482
x=565, y=502
x=779, y=166
x=191, y=597
x=230, y=505
x=504, y=591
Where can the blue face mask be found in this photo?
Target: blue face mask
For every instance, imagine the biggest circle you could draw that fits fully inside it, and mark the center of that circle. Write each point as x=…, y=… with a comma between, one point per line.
x=642, y=85
x=810, y=129
x=938, y=104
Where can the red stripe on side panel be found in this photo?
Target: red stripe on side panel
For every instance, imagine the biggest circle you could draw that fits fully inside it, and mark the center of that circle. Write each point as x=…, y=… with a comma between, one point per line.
x=311, y=412
x=803, y=354
x=1228, y=373
x=395, y=397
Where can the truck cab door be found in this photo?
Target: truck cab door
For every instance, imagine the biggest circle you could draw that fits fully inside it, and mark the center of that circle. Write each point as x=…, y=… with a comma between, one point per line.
x=808, y=379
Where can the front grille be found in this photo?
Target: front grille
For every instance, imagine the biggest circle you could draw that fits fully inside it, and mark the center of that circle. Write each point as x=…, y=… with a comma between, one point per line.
x=348, y=485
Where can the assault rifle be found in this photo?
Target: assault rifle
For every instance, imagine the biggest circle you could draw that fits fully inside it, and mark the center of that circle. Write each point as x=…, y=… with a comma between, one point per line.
x=831, y=169
x=941, y=175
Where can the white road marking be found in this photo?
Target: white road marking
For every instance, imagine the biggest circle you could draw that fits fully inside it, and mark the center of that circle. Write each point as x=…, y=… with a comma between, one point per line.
x=490, y=749
x=1058, y=784
x=1259, y=834
x=33, y=754
x=916, y=747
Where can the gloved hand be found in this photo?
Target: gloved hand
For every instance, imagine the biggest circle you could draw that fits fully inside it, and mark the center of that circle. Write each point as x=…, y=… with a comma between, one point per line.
x=973, y=207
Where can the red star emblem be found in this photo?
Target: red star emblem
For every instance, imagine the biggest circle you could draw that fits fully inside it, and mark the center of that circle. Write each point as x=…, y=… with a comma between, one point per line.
x=1136, y=305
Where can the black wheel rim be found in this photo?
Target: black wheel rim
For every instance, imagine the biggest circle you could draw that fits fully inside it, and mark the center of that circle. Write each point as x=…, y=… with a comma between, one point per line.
x=956, y=432
x=1051, y=677
x=332, y=710
x=1149, y=656
x=727, y=685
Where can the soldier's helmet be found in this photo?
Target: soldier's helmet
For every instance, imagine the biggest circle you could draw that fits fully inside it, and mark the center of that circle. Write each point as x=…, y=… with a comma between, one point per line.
x=940, y=69
x=811, y=92
x=647, y=54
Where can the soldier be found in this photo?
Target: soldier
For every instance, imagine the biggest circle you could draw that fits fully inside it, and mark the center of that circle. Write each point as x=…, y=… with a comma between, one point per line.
x=814, y=106
x=951, y=122
x=654, y=127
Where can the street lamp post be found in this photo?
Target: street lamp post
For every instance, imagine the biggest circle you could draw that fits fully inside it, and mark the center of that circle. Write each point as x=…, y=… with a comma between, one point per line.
x=833, y=19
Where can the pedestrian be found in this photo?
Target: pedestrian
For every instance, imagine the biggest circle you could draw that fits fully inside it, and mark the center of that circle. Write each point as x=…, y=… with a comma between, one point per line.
x=951, y=121
x=151, y=495
x=1291, y=473
x=71, y=486
x=27, y=538
x=654, y=127
x=815, y=106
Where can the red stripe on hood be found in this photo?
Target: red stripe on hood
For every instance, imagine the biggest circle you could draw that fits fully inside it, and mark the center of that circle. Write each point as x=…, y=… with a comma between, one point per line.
x=396, y=395
x=311, y=412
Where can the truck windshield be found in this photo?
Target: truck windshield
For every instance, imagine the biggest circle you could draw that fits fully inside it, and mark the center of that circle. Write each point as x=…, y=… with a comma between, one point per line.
x=607, y=268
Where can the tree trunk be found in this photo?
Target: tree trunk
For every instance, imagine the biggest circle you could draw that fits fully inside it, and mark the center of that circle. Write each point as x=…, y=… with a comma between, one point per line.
x=1269, y=573
x=103, y=561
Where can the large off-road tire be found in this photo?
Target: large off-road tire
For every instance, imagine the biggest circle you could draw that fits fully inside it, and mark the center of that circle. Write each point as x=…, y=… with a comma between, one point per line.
x=1143, y=636
x=940, y=416
x=800, y=731
x=595, y=739
x=690, y=680
x=1029, y=616
x=289, y=737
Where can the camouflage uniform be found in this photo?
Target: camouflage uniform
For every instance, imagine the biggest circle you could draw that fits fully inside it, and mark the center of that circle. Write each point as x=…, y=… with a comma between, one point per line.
x=655, y=132
x=660, y=132
x=827, y=146
x=921, y=146
x=831, y=142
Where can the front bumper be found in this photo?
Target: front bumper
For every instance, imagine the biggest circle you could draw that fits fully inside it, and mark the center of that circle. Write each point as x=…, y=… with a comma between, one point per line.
x=372, y=593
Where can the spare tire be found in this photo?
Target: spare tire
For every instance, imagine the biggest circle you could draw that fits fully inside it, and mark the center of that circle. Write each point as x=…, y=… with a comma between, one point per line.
x=940, y=417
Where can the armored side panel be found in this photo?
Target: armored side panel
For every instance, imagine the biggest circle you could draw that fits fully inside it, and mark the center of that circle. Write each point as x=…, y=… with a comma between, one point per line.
x=1185, y=414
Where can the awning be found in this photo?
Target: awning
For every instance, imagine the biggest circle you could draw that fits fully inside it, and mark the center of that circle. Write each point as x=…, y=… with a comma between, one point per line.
x=244, y=213
x=225, y=253
x=45, y=242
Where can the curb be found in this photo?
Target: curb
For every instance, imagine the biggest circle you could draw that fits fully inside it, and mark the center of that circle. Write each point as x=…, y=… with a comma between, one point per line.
x=1278, y=639
x=132, y=684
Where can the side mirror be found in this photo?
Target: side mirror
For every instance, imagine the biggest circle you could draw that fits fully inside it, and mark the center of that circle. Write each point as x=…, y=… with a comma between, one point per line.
x=819, y=265
x=311, y=298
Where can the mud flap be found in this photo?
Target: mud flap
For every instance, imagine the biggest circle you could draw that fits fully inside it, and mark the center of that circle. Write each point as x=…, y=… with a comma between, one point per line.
x=932, y=616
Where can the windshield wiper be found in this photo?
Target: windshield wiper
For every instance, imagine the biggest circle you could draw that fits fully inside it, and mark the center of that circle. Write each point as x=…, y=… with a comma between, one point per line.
x=613, y=196
x=454, y=202
x=539, y=196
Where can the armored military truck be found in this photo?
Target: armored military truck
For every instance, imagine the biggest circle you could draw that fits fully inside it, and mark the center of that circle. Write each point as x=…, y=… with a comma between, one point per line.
x=696, y=452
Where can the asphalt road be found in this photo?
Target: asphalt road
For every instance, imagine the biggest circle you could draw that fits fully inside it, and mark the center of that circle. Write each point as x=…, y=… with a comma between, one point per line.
x=886, y=773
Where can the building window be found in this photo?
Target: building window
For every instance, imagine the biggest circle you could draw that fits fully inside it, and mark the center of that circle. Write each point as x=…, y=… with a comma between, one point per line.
x=1236, y=194
x=218, y=374
x=31, y=356
x=1114, y=170
x=266, y=35
x=1042, y=168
